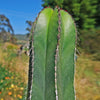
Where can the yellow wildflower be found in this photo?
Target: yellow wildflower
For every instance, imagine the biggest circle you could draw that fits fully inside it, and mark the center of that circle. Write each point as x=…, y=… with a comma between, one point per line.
x=20, y=96
x=22, y=88
x=12, y=85
x=15, y=95
x=1, y=81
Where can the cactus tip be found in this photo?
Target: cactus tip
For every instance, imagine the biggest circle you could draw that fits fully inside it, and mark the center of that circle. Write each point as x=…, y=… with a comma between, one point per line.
x=46, y=7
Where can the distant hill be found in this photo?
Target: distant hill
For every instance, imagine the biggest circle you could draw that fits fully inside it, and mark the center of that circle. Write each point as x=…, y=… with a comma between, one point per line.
x=21, y=39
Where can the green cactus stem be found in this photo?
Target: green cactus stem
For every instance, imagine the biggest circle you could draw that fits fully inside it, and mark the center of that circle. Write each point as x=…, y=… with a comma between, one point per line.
x=52, y=48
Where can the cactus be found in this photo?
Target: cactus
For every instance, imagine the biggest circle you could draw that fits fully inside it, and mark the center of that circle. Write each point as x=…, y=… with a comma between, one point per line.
x=52, y=49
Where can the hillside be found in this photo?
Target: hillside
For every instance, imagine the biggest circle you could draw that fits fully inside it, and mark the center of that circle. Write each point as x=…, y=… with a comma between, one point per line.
x=21, y=39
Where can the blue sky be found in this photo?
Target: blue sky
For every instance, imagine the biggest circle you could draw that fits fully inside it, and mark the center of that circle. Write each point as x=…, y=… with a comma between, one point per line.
x=18, y=11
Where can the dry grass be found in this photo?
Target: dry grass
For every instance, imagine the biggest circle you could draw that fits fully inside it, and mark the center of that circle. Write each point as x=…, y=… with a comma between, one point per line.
x=15, y=72
x=87, y=78
x=9, y=58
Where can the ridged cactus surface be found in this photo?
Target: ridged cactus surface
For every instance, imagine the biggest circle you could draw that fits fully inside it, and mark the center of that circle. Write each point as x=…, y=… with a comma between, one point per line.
x=51, y=70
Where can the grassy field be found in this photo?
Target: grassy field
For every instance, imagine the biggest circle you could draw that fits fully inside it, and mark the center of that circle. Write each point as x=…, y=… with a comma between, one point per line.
x=87, y=78
x=14, y=72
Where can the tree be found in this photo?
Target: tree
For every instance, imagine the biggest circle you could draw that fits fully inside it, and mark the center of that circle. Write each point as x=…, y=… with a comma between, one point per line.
x=97, y=15
x=6, y=30
x=4, y=22
x=29, y=27
x=83, y=11
x=73, y=7
x=87, y=14
x=52, y=3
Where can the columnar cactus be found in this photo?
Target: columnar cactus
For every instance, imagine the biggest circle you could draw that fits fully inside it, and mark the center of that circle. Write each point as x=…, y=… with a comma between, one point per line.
x=52, y=49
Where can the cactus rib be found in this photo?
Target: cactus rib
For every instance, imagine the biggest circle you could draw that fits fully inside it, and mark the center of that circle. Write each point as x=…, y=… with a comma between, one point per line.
x=57, y=51
x=65, y=69
x=31, y=63
x=31, y=60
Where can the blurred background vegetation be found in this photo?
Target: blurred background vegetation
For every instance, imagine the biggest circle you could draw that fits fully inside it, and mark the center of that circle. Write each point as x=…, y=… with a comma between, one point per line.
x=14, y=52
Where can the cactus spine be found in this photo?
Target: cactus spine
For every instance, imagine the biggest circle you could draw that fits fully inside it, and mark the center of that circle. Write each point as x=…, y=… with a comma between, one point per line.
x=51, y=74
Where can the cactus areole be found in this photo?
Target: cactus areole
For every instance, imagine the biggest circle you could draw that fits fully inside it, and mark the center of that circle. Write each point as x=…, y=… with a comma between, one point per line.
x=52, y=49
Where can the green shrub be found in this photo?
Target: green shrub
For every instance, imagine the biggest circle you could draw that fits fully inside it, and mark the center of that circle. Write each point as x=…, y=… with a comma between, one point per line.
x=90, y=41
